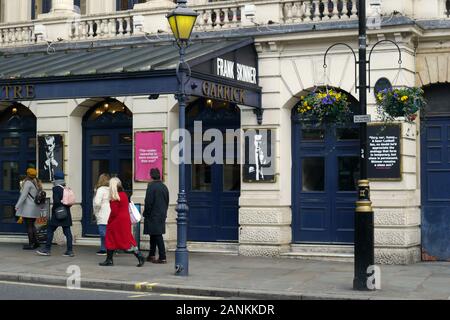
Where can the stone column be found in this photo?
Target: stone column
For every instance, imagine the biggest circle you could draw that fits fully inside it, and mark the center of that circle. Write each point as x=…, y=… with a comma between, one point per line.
x=16, y=11
x=100, y=7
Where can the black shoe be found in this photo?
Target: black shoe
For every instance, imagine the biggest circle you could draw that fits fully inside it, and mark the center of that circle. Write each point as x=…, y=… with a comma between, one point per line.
x=140, y=258
x=101, y=253
x=36, y=245
x=28, y=247
x=109, y=259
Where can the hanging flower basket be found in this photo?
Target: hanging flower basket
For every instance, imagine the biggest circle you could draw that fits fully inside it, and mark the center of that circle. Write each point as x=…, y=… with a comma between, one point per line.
x=325, y=107
x=402, y=102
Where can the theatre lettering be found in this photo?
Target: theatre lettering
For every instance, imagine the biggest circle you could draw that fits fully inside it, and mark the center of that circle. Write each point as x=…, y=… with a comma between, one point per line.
x=14, y=92
x=222, y=92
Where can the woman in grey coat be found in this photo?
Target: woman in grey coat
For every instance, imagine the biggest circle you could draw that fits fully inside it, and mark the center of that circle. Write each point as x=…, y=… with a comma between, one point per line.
x=28, y=209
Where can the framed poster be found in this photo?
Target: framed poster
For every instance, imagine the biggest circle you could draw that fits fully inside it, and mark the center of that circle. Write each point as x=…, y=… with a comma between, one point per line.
x=148, y=154
x=259, y=155
x=51, y=156
x=384, y=151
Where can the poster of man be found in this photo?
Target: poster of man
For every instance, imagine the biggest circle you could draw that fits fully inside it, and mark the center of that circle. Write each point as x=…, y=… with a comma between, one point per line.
x=259, y=163
x=50, y=156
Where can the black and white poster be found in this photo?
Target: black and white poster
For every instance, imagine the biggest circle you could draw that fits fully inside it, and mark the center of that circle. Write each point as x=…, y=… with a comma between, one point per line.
x=384, y=151
x=50, y=156
x=259, y=165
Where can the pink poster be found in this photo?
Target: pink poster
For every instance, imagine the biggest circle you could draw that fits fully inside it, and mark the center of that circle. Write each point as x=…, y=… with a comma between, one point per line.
x=148, y=154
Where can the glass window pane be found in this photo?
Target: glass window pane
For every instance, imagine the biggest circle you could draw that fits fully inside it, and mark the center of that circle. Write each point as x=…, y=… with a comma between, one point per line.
x=10, y=176
x=313, y=174
x=126, y=174
x=348, y=173
x=231, y=177
x=98, y=167
x=313, y=134
x=347, y=133
x=201, y=177
x=100, y=140
x=7, y=214
x=11, y=142
x=125, y=138
x=32, y=143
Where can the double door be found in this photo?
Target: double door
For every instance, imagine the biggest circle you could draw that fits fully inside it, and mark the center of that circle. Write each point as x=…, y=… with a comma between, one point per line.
x=17, y=153
x=325, y=176
x=106, y=150
x=436, y=188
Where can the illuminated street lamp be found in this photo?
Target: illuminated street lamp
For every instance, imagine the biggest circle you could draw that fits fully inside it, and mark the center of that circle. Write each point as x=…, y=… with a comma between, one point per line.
x=182, y=21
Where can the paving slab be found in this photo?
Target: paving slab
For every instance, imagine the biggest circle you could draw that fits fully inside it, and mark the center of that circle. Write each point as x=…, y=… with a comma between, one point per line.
x=229, y=276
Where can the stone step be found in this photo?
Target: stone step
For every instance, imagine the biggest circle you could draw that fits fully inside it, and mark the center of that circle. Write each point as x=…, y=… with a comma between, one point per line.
x=13, y=238
x=214, y=247
x=340, y=253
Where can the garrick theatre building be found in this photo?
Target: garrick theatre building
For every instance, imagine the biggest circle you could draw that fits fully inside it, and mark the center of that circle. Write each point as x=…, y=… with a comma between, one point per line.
x=87, y=84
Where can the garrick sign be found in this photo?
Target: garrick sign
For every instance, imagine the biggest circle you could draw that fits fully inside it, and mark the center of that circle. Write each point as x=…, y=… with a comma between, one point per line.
x=223, y=92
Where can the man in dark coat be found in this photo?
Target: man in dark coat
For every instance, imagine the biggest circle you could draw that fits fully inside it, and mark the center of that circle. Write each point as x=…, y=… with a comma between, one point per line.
x=54, y=223
x=155, y=214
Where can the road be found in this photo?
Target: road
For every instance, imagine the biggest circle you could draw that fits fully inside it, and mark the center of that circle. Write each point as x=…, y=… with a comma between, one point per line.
x=22, y=291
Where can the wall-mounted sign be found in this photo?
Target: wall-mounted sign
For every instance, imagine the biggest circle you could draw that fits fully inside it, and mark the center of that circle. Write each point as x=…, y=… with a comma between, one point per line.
x=259, y=156
x=148, y=154
x=384, y=152
x=222, y=92
x=17, y=92
x=236, y=71
x=51, y=156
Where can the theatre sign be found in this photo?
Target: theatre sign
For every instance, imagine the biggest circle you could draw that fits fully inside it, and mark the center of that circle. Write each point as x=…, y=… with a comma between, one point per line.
x=233, y=77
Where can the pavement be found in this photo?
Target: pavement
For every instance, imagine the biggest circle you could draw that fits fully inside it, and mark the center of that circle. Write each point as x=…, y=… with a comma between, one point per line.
x=229, y=276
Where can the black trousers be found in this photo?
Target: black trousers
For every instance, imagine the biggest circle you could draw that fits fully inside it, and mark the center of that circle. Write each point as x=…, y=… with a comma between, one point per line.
x=31, y=230
x=157, y=241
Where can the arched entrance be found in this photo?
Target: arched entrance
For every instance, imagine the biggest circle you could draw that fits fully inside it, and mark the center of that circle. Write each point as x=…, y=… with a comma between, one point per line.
x=213, y=190
x=107, y=148
x=435, y=173
x=17, y=153
x=325, y=169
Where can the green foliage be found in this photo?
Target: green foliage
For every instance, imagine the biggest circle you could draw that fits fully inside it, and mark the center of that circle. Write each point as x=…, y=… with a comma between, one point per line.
x=324, y=107
x=402, y=102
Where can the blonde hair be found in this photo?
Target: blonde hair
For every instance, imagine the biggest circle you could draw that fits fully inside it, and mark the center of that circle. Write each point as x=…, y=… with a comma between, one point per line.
x=115, y=186
x=103, y=181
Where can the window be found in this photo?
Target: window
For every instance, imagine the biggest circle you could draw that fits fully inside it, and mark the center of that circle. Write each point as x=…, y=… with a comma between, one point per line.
x=127, y=4
x=313, y=173
x=10, y=176
x=201, y=177
x=348, y=173
x=39, y=7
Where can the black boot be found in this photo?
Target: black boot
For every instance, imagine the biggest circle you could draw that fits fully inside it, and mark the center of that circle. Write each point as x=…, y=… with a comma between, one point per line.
x=140, y=258
x=109, y=259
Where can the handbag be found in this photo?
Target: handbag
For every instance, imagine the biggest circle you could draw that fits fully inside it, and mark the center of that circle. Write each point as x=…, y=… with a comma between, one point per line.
x=135, y=215
x=61, y=213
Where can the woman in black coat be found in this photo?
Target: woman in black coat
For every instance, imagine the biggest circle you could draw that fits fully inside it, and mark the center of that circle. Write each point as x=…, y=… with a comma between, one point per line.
x=54, y=223
x=155, y=214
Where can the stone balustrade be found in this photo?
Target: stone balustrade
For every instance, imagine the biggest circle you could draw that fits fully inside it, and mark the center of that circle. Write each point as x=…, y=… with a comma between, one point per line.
x=117, y=25
x=319, y=10
x=17, y=35
x=213, y=15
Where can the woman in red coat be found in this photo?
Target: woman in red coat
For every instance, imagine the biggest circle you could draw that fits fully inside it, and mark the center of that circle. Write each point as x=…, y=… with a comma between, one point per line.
x=118, y=231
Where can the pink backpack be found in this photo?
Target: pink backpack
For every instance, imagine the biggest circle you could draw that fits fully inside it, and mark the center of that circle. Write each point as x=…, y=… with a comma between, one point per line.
x=68, y=197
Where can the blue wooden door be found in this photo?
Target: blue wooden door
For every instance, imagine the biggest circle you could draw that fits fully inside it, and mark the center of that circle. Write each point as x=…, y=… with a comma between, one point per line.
x=213, y=189
x=325, y=175
x=107, y=148
x=435, y=176
x=17, y=153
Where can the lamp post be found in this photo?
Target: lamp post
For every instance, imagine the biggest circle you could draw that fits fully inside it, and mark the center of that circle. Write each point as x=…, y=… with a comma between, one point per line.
x=364, y=217
x=181, y=21
x=364, y=226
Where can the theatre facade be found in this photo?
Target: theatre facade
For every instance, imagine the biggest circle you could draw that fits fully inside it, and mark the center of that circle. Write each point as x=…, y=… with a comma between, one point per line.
x=108, y=106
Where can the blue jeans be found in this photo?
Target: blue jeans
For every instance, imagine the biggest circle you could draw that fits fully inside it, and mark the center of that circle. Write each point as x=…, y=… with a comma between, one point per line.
x=102, y=232
x=51, y=231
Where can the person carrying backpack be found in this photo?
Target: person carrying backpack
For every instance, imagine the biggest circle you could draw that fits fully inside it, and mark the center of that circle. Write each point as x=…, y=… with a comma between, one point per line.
x=27, y=208
x=63, y=199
